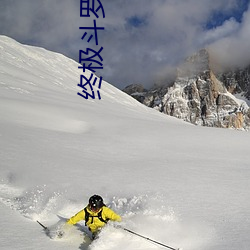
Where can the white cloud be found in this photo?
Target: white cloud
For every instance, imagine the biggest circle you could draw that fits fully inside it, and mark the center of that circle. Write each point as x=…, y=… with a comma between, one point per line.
x=228, y=28
x=171, y=31
x=233, y=50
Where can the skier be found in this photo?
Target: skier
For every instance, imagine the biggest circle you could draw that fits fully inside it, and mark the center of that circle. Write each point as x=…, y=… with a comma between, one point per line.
x=95, y=214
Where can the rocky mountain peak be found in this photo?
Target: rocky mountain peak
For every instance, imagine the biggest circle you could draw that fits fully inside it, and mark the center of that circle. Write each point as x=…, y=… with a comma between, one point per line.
x=202, y=97
x=196, y=64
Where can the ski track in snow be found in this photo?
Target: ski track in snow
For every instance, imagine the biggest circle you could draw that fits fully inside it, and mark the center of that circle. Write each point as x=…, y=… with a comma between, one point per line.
x=43, y=117
x=145, y=214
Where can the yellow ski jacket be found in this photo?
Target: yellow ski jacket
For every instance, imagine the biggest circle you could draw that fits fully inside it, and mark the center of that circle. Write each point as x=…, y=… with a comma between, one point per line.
x=94, y=223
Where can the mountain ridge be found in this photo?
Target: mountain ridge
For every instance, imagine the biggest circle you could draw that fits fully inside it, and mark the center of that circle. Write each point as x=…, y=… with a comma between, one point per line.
x=200, y=95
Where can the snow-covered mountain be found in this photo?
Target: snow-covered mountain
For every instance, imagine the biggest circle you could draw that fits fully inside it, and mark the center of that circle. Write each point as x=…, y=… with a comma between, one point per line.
x=182, y=185
x=201, y=96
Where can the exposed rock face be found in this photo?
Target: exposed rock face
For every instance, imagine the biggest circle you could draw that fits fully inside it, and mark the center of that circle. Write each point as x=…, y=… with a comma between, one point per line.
x=199, y=97
x=137, y=91
x=237, y=81
x=134, y=88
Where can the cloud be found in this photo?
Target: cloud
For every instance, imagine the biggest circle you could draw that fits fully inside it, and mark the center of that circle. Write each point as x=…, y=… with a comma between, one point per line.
x=233, y=49
x=143, y=39
x=171, y=31
x=228, y=28
x=52, y=24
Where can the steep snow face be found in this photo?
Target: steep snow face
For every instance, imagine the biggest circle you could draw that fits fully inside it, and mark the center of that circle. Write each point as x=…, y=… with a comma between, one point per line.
x=179, y=184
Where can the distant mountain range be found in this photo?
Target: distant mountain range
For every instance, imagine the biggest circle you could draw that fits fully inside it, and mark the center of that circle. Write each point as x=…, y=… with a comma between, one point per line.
x=201, y=94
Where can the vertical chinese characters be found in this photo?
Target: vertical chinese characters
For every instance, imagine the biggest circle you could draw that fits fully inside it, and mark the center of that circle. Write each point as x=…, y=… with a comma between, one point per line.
x=91, y=59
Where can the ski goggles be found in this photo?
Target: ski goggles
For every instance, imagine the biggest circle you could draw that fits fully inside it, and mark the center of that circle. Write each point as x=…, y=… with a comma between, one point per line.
x=94, y=208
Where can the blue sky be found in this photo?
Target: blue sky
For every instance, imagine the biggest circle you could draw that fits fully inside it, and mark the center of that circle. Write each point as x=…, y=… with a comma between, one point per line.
x=218, y=17
x=143, y=41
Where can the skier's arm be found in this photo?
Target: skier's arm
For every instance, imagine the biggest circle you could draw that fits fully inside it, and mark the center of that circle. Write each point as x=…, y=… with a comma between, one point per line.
x=110, y=214
x=77, y=217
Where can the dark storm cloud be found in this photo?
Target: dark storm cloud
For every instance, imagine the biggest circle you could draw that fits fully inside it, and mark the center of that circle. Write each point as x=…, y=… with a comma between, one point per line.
x=143, y=39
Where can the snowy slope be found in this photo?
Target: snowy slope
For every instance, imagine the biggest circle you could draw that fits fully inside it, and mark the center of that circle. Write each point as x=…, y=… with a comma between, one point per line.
x=179, y=184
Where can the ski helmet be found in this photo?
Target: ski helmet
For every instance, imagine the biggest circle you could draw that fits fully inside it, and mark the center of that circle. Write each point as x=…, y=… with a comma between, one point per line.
x=95, y=202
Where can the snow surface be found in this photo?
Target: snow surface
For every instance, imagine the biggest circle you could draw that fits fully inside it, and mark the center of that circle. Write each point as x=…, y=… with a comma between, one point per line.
x=182, y=185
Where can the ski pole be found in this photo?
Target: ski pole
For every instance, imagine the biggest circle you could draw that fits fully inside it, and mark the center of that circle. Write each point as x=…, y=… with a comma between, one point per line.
x=146, y=238
x=45, y=228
